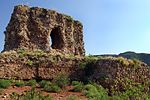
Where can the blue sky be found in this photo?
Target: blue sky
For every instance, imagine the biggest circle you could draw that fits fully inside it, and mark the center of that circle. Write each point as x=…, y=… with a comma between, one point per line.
x=110, y=26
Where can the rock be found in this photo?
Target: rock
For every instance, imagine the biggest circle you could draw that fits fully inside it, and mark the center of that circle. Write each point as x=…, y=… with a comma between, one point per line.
x=4, y=96
x=38, y=65
x=39, y=28
x=117, y=73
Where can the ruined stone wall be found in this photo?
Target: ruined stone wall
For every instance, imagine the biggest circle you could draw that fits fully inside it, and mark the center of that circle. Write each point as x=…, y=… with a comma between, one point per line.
x=34, y=28
x=38, y=65
x=118, y=73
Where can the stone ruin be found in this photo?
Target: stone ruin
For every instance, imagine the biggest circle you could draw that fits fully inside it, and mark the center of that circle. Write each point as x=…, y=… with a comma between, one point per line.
x=39, y=28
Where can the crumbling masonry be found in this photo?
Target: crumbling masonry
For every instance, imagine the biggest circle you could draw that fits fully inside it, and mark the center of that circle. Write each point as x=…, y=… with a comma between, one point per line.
x=39, y=28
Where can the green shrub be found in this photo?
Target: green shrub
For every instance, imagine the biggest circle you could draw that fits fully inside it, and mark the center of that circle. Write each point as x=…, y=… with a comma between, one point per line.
x=30, y=95
x=75, y=83
x=61, y=80
x=90, y=58
x=78, y=86
x=46, y=98
x=131, y=93
x=122, y=60
x=135, y=92
x=5, y=83
x=116, y=97
x=38, y=53
x=21, y=53
x=103, y=92
x=43, y=83
x=29, y=62
x=52, y=88
x=91, y=92
x=83, y=64
x=31, y=83
x=95, y=92
x=19, y=83
x=136, y=63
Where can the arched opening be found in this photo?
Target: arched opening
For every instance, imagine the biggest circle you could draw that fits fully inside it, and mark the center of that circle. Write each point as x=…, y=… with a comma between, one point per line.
x=56, y=41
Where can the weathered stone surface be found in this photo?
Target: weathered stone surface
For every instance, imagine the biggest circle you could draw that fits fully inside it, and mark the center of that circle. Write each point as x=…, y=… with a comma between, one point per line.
x=39, y=28
x=117, y=74
x=38, y=65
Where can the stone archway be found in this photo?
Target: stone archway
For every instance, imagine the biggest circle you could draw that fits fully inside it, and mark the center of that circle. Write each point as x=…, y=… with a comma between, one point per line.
x=56, y=40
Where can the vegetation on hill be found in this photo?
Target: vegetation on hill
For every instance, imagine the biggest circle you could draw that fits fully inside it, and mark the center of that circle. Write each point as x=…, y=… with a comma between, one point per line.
x=139, y=56
x=90, y=91
x=144, y=57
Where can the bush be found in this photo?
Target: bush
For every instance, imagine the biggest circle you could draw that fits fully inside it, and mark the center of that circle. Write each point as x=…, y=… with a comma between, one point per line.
x=75, y=83
x=103, y=92
x=95, y=92
x=134, y=93
x=78, y=86
x=30, y=95
x=91, y=92
x=122, y=60
x=21, y=53
x=29, y=62
x=19, y=83
x=52, y=88
x=31, y=83
x=43, y=83
x=83, y=64
x=61, y=80
x=5, y=83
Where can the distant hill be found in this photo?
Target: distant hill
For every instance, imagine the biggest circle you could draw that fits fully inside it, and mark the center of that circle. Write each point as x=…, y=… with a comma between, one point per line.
x=140, y=56
x=144, y=57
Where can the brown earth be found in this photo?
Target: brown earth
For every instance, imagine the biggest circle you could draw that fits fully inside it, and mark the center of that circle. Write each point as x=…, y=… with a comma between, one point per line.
x=63, y=95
